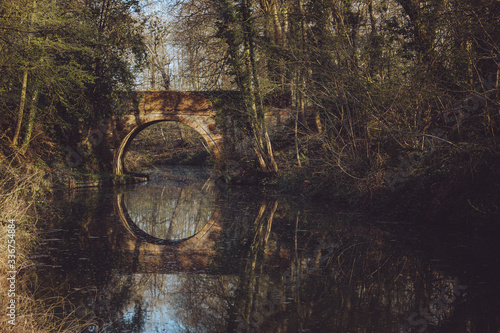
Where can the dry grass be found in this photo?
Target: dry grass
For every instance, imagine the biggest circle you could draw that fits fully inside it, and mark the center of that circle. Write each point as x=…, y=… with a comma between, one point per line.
x=20, y=189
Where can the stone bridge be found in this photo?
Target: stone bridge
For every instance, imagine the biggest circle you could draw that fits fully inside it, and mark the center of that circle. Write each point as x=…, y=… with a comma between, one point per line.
x=194, y=109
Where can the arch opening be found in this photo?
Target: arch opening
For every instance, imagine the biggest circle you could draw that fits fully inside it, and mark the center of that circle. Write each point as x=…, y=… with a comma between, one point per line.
x=164, y=142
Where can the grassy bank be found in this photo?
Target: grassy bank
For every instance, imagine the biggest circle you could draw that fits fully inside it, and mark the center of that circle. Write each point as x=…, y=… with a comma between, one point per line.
x=22, y=190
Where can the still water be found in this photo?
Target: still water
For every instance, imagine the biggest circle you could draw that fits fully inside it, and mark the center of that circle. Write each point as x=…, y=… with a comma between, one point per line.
x=181, y=254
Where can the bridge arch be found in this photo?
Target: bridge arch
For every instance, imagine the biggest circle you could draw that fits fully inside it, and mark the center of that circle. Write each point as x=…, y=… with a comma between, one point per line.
x=192, y=108
x=119, y=157
x=149, y=107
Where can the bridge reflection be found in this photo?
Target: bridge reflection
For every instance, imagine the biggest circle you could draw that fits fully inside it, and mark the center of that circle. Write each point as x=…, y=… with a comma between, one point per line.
x=169, y=212
x=172, y=227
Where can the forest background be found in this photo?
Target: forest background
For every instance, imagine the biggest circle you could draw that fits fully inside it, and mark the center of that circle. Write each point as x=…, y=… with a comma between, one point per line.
x=394, y=103
x=384, y=95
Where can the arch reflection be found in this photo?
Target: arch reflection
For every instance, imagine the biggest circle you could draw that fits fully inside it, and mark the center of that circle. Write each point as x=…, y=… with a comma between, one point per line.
x=168, y=211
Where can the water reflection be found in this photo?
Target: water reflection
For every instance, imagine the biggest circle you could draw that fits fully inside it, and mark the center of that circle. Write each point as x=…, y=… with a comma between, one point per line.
x=170, y=208
x=174, y=303
x=272, y=266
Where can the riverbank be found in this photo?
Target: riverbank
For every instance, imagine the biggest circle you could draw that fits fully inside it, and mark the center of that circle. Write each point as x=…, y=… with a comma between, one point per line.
x=23, y=191
x=448, y=183
x=18, y=237
x=447, y=186
x=71, y=180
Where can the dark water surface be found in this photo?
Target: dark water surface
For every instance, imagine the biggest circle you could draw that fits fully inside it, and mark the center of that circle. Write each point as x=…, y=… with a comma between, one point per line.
x=178, y=254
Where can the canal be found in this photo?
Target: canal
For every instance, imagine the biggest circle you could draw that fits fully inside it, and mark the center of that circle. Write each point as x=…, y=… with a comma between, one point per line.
x=181, y=253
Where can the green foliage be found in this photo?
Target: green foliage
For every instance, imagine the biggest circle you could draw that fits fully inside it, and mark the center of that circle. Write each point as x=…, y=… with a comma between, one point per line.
x=229, y=116
x=75, y=56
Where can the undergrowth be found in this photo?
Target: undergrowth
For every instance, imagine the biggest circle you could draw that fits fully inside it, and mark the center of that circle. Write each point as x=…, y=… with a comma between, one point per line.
x=22, y=189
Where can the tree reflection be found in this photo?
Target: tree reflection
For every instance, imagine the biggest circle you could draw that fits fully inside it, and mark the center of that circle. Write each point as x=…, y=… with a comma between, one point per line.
x=274, y=268
x=212, y=303
x=174, y=211
x=251, y=274
x=339, y=276
x=203, y=300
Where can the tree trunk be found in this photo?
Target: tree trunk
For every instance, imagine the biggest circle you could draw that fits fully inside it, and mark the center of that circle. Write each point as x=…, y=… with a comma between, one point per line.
x=242, y=52
x=31, y=122
x=21, y=108
x=263, y=142
x=297, y=139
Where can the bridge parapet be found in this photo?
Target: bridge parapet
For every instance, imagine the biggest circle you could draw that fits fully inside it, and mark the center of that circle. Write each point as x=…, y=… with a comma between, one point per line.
x=171, y=102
